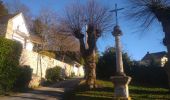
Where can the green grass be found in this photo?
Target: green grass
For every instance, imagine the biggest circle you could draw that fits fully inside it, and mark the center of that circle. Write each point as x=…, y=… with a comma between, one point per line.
x=148, y=93
x=106, y=92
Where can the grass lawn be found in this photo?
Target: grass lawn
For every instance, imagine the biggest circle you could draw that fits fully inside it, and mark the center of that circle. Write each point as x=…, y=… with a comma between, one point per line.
x=106, y=92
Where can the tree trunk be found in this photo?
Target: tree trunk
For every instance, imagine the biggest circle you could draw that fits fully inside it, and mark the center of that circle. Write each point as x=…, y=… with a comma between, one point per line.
x=88, y=55
x=166, y=41
x=91, y=70
x=167, y=67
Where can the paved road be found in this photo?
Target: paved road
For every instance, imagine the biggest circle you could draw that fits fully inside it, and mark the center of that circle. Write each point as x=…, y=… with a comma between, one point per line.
x=54, y=92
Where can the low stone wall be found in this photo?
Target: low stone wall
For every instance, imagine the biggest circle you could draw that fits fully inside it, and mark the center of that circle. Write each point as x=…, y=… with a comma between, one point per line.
x=40, y=63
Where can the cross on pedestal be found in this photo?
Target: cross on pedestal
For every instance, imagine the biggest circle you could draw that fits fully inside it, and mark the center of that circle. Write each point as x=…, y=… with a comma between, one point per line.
x=117, y=33
x=116, y=12
x=120, y=81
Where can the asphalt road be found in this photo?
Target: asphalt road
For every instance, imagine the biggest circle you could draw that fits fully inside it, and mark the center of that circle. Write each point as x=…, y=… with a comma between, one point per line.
x=54, y=92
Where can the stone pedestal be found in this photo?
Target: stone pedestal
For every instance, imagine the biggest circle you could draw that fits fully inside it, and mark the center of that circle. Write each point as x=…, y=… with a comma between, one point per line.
x=121, y=91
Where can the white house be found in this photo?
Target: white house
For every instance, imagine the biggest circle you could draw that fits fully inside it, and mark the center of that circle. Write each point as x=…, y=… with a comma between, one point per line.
x=17, y=29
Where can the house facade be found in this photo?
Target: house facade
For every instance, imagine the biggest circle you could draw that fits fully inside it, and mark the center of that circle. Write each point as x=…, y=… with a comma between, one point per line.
x=158, y=57
x=15, y=28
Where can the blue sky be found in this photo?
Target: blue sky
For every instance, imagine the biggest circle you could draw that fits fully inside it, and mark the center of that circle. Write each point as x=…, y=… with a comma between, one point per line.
x=135, y=42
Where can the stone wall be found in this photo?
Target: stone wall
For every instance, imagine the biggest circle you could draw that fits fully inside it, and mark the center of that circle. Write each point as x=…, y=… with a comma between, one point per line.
x=40, y=63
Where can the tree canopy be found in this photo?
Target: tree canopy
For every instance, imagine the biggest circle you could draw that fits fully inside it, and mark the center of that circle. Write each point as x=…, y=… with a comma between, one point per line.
x=149, y=11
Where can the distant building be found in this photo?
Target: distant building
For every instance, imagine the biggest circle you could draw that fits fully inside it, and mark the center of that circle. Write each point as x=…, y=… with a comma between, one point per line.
x=158, y=57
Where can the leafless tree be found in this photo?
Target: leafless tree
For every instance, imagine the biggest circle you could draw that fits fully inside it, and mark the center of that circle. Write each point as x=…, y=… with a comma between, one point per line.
x=97, y=20
x=15, y=6
x=46, y=25
x=42, y=27
x=3, y=9
x=149, y=11
x=62, y=41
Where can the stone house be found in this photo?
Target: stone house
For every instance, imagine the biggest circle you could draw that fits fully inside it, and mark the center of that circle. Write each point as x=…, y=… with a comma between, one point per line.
x=158, y=57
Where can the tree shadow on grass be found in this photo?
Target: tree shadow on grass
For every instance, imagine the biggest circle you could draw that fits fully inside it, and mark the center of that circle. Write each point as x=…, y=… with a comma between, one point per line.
x=91, y=98
x=104, y=89
x=139, y=92
x=149, y=97
x=149, y=92
x=83, y=93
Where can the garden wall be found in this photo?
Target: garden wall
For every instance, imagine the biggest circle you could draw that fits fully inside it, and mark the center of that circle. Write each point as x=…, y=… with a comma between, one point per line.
x=40, y=63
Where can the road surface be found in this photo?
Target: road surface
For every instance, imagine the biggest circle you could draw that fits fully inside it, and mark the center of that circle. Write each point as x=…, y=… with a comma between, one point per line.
x=54, y=92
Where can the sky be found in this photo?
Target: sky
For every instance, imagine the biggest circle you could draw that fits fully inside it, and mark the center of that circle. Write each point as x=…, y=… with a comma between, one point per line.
x=135, y=41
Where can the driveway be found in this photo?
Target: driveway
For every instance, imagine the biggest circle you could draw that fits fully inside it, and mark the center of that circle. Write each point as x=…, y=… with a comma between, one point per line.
x=54, y=92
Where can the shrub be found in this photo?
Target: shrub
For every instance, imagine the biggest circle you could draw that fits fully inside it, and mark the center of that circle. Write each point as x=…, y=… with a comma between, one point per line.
x=10, y=52
x=53, y=74
x=106, y=66
x=152, y=75
x=24, y=77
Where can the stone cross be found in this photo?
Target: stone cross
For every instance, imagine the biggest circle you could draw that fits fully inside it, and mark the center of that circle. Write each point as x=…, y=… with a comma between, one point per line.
x=120, y=80
x=117, y=33
x=116, y=12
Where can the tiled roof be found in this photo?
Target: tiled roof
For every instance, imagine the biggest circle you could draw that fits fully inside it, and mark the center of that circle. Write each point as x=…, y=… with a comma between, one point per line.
x=36, y=39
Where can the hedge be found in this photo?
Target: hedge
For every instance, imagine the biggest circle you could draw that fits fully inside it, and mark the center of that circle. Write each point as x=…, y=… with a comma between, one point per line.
x=10, y=52
x=155, y=76
x=24, y=77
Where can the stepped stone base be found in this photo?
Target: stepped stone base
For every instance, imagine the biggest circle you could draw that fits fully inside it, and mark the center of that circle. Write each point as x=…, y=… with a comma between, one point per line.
x=121, y=91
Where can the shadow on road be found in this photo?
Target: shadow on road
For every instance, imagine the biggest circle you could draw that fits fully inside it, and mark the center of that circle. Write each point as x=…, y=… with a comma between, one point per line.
x=53, y=92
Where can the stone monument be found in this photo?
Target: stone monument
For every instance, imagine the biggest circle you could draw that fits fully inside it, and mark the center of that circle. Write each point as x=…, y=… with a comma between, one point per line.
x=120, y=80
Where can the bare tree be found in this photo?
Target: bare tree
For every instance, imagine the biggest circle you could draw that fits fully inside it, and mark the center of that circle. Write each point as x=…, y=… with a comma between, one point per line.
x=15, y=6
x=47, y=27
x=149, y=11
x=43, y=25
x=62, y=41
x=97, y=20
x=3, y=9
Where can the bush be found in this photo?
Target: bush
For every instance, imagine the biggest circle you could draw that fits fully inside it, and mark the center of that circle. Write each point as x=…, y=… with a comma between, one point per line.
x=152, y=75
x=106, y=66
x=53, y=74
x=24, y=77
x=10, y=52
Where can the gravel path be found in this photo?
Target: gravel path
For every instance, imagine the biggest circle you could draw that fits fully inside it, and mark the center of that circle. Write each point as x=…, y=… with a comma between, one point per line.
x=54, y=92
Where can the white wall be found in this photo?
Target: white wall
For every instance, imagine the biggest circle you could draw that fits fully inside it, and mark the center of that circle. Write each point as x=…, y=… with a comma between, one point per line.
x=40, y=63
x=163, y=61
x=19, y=25
x=78, y=71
